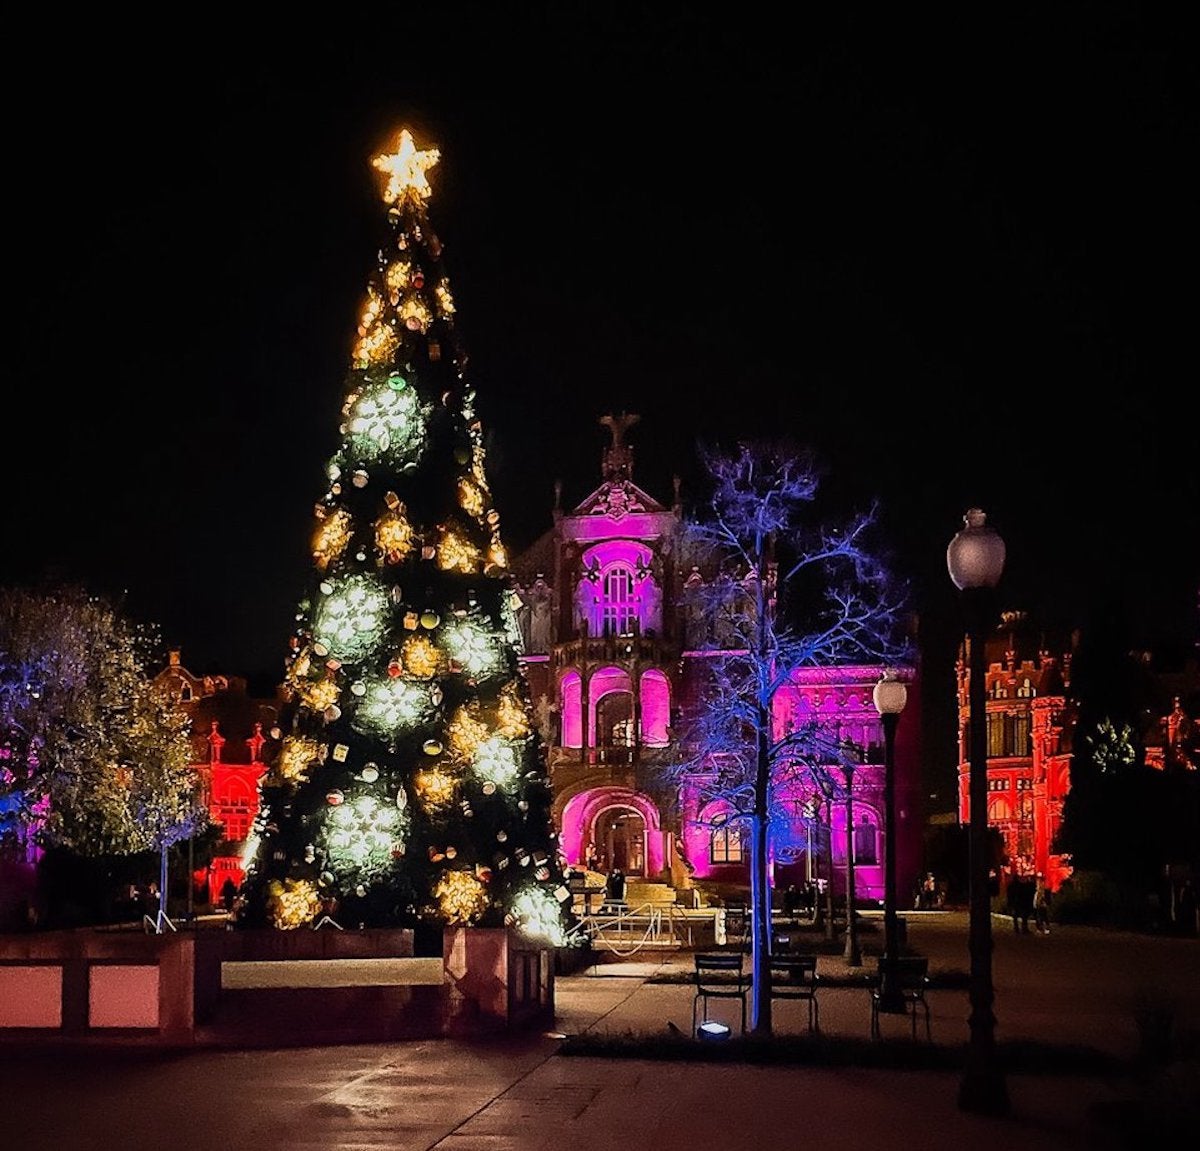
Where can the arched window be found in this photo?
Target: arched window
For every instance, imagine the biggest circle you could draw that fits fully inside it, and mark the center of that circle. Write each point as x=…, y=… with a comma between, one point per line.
x=1000, y=809
x=1026, y=690
x=619, y=603
x=656, y=708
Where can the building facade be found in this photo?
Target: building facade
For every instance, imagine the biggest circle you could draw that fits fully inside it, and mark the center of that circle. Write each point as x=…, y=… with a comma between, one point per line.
x=614, y=657
x=230, y=730
x=1030, y=729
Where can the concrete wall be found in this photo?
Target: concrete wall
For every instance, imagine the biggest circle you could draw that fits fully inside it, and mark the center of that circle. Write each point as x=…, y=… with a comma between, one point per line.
x=246, y=988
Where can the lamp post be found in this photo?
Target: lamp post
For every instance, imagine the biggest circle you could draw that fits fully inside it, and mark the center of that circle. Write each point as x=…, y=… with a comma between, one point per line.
x=890, y=696
x=852, y=953
x=975, y=559
x=810, y=823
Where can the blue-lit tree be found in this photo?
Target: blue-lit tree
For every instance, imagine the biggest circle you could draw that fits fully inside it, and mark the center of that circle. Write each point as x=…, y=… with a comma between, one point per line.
x=791, y=590
x=410, y=785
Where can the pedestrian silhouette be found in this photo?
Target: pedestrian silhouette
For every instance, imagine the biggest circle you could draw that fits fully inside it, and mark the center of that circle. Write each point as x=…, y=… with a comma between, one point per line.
x=1020, y=902
x=1041, y=906
x=614, y=889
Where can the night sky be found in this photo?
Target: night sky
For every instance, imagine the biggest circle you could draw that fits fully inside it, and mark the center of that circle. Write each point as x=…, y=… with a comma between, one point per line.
x=954, y=257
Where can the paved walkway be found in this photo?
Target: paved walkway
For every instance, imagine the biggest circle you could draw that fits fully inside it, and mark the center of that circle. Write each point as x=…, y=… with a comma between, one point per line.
x=1077, y=986
x=522, y=1095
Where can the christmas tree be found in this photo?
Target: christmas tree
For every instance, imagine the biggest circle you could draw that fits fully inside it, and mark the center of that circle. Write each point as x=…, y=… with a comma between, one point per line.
x=409, y=785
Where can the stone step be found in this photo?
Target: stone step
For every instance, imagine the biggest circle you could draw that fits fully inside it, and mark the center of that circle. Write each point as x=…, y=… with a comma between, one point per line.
x=638, y=892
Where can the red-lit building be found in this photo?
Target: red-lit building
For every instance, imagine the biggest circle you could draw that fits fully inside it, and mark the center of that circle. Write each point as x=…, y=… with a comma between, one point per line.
x=229, y=731
x=612, y=658
x=1030, y=728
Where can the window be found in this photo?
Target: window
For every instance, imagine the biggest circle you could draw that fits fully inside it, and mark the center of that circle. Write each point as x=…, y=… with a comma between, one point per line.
x=866, y=851
x=1025, y=829
x=997, y=785
x=1022, y=739
x=620, y=604
x=622, y=734
x=995, y=735
x=1026, y=690
x=726, y=845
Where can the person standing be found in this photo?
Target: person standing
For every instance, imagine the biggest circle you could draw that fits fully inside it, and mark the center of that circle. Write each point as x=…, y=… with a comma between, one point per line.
x=1020, y=901
x=614, y=894
x=1041, y=905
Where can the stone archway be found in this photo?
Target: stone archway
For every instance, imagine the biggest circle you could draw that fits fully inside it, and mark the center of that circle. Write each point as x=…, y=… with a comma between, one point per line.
x=624, y=826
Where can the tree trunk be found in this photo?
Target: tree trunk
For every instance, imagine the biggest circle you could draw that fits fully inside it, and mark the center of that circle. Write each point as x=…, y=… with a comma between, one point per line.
x=760, y=902
x=830, y=928
x=162, y=885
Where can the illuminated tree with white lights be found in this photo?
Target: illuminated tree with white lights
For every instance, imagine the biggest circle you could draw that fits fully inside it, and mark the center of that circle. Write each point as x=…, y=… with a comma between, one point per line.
x=409, y=784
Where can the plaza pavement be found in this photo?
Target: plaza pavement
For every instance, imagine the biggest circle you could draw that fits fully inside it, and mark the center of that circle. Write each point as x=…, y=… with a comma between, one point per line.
x=1076, y=986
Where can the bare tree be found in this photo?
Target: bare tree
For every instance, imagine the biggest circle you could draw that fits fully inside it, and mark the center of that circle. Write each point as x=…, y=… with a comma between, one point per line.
x=785, y=591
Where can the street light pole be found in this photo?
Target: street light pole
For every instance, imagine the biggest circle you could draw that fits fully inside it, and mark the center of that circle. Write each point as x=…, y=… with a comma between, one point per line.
x=890, y=696
x=975, y=559
x=852, y=953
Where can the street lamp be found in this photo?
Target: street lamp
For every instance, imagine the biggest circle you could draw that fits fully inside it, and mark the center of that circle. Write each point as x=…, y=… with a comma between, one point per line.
x=975, y=559
x=890, y=696
x=810, y=823
x=852, y=953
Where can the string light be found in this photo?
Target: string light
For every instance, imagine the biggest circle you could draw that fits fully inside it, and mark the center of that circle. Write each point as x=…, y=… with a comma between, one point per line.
x=331, y=536
x=434, y=788
x=296, y=754
x=456, y=553
x=391, y=705
x=292, y=903
x=421, y=657
x=461, y=897
x=349, y=619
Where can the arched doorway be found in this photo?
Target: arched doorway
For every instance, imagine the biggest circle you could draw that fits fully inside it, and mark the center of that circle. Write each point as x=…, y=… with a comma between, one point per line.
x=619, y=834
x=586, y=818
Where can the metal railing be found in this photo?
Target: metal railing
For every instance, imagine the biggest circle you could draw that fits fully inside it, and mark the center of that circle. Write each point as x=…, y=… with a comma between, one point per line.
x=625, y=931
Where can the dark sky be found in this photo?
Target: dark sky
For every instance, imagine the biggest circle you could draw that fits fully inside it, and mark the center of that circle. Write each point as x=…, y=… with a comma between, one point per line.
x=956, y=256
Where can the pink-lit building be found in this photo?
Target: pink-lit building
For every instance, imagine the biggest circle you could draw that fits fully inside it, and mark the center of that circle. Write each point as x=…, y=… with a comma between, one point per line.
x=612, y=658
